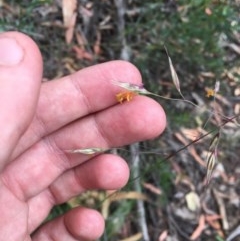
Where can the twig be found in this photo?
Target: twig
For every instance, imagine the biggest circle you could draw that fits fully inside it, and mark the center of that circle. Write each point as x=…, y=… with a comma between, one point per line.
x=234, y=234
x=125, y=51
x=125, y=55
x=191, y=149
x=136, y=172
x=201, y=137
x=222, y=209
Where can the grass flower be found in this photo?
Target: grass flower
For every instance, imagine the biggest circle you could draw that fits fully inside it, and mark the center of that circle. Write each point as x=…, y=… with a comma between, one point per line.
x=134, y=89
x=125, y=96
x=131, y=91
x=210, y=92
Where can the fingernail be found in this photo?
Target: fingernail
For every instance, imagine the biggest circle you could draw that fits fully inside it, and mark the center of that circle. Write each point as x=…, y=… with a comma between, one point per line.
x=11, y=53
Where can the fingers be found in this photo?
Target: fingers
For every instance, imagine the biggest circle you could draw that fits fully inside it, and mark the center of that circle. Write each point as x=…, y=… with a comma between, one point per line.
x=20, y=77
x=115, y=126
x=79, y=224
x=72, y=97
x=102, y=172
x=106, y=172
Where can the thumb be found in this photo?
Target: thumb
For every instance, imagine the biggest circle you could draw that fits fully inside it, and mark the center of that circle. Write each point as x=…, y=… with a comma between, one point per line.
x=20, y=78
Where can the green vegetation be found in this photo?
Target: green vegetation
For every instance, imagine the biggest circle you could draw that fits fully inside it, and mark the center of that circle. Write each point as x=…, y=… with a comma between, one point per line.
x=26, y=20
x=193, y=32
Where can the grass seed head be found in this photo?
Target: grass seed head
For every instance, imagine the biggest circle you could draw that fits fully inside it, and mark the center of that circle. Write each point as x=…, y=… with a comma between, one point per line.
x=87, y=151
x=174, y=75
x=211, y=163
x=138, y=89
x=131, y=91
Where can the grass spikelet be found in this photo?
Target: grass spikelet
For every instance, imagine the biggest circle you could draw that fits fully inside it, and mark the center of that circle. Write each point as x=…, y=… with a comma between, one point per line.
x=214, y=142
x=212, y=158
x=138, y=89
x=174, y=75
x=211, y=163
x=87, y=151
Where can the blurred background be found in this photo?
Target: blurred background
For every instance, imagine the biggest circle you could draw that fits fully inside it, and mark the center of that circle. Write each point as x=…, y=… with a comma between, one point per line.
x=167, y=197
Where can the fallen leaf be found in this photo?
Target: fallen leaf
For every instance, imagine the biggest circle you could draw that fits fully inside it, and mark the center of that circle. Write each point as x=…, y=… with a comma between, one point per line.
x=201, y=225
x=152, y=188
x=96, y=47
x=213, y=221
x=222, y=209
x=82, y=53
x=128, y=195
x=190, y=148
x=193, y=134
x=135, y=237
x=69, y=18
x=193, y=201
x=163, y=236
x=81, y=40
x=68, y=9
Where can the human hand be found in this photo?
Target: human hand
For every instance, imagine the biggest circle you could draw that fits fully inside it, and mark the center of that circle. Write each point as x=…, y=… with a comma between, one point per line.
x=40, y=120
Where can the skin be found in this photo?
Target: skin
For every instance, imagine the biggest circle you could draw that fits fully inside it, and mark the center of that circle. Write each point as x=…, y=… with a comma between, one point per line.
x=39, y=121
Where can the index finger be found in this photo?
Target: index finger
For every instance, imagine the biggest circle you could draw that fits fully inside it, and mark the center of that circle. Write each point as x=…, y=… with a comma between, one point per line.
x=75, y=96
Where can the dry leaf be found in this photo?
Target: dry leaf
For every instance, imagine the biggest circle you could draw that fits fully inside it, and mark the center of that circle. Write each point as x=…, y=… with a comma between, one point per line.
x=96, y=47
x=118, y=196
x=135, y=237
x=193, y=134
x=82, y=53
x=163, y=236
x=68, y=9
x=128, y=195
x=213, y=221
x=152, y=188
x=222, y=209
x=69, y=17
x=81, y=40
x=185, y=214
x=201, y=225
x=190, y=148
x=234, y=47
x=193, y=201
